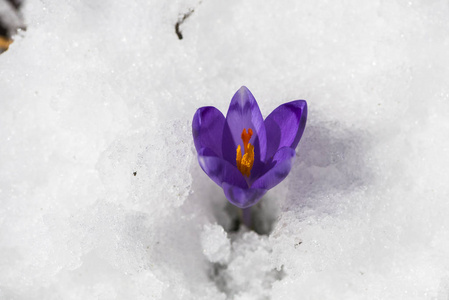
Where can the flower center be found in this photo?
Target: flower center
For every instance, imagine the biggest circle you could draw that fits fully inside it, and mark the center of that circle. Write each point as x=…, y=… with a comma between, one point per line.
x=245, y=162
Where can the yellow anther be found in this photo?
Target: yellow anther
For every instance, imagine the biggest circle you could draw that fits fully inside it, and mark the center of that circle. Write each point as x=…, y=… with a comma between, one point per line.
x=245, y=162
x=4, y=43
x=239, y=157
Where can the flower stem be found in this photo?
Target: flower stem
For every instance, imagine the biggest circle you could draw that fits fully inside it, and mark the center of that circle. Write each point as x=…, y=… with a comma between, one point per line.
x=247, y=217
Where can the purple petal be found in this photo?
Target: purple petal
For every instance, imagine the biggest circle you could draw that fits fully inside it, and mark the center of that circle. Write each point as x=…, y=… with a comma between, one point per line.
x=242, y=197
x=280, y=167
x=207, y=128
x=220, y=170
x=244, y=113
x=285, y=125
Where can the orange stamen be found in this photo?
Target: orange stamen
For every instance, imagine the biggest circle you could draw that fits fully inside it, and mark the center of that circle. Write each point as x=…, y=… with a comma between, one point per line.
x=246, y=137
x=245, y=162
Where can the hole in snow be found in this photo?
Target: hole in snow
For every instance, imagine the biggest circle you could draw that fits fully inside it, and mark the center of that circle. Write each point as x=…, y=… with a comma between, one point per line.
x=263, y=217
x=11, y=22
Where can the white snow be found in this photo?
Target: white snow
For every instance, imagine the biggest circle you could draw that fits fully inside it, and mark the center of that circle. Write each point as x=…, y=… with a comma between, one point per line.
x=215, y=243
x=94, y=91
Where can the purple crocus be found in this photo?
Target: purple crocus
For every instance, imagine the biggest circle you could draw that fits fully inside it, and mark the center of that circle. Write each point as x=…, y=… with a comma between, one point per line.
x=244, y=154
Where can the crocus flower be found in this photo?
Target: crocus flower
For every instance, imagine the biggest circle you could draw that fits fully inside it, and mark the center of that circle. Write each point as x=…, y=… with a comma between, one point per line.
x=243, y=153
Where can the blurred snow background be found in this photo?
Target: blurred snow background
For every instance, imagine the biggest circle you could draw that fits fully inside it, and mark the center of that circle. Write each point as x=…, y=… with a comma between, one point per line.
x=100, y=192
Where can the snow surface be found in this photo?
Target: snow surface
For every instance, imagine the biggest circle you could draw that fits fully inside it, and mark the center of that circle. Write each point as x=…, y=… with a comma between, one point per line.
x=94, y=91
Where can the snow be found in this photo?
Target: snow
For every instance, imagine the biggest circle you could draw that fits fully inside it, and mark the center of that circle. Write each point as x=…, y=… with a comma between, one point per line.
x=100, y=191
x=215, y=243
